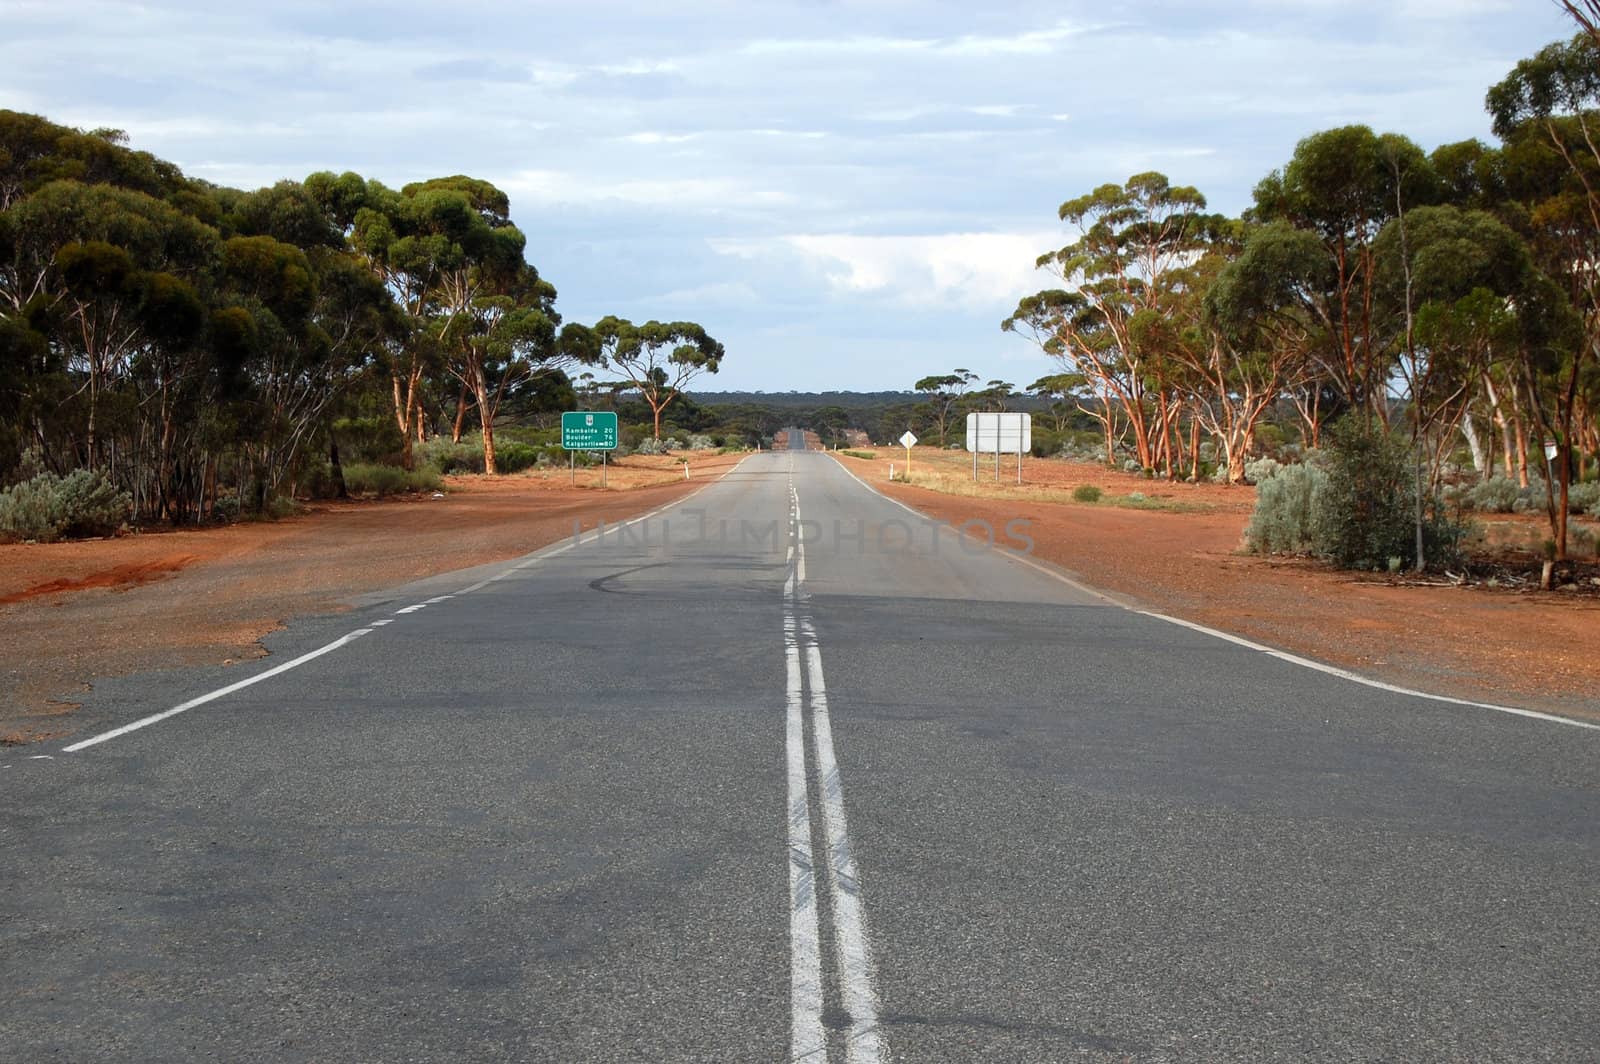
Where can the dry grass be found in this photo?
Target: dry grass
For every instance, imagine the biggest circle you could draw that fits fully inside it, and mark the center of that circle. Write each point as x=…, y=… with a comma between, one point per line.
x=1049, y=480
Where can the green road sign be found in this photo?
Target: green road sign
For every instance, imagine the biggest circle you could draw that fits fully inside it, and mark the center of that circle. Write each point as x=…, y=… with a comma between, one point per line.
x=585, y=431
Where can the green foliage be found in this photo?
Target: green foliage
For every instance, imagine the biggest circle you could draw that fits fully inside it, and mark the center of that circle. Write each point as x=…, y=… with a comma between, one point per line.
x=1367, y=510
x=443, y=456
x=1086, y=493
x=1497, y=495
x=868, y=455
x=1366, y=516
x=365, y=478
x=369, y=439
x=47, y=507
x=1288, y=505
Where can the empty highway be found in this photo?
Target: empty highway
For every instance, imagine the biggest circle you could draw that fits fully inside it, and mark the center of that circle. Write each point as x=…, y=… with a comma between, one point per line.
x=785, y=773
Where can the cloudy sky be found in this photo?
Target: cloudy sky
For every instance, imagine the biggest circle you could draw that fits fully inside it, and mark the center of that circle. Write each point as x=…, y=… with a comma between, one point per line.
x=848, y=194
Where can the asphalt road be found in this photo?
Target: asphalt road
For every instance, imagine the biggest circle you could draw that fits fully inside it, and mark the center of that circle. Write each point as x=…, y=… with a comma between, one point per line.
x=784, y=773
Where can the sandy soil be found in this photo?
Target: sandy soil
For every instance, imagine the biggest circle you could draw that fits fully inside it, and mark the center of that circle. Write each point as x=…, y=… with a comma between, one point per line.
x=71, y=612
x=1525, y=648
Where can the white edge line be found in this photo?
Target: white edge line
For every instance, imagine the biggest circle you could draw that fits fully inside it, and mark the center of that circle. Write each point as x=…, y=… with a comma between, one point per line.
x=1281, y=655
x=212, y=696
x=219, y=692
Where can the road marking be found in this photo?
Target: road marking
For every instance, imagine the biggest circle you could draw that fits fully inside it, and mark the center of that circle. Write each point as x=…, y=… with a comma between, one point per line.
x=856, y=978
x=218, y=693
x=1281, y=655
x=864, y=1042
x=808, y=1040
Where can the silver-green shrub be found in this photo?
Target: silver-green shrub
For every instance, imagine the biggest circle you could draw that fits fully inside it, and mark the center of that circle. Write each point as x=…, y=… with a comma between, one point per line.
x=1497, y=495
x=1583, y=498
x=48, y=507
x=1260, y=470
x=1287, y=509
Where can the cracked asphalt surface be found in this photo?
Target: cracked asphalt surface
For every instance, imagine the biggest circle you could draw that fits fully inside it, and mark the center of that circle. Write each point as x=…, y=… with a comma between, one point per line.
x=544, y=820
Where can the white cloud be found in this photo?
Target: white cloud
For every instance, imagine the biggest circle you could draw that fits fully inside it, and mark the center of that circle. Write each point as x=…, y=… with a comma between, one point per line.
x=1029, y=42
x=638, y=68
x=651, y=137
x=978, y=271
x=715, y=193
x=996, y=110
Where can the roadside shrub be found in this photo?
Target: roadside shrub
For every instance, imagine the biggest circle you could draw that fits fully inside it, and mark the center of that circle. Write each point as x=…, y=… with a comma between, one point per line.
x=1582, y=498
x=446, y=457
x=869, y=455
x=1497, y=495
x=364, y=478
x=512, y=456
x=1086, y=493
x=1286, y=513
x=650, y=445
x=1531, y=499
x=699, y=441
x=1367, y=512
x=1262, y=469
x=47, y=507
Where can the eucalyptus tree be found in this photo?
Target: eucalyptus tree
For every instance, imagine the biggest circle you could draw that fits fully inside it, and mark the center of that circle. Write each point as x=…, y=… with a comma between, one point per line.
x=1342, y=186
x=1546, y=112
x=657, y=358
x=1465, y=272
x=1133, y=239
x=945, y=393
x=95, y=259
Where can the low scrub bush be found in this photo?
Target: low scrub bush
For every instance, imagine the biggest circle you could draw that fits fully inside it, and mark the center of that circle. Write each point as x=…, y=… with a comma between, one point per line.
x=869, y=455
x=443, y=456
x=1583, y=498
x=1287, y=506
x=48, y=507
x=1262, y=469
x=1497, y=495
x=1366, y=514
x=363, y=478
x=513, y=457
x=1086, y=493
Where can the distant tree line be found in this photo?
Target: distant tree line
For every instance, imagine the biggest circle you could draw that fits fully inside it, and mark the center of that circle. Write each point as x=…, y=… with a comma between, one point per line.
x=198, y=347
x=1451, y=297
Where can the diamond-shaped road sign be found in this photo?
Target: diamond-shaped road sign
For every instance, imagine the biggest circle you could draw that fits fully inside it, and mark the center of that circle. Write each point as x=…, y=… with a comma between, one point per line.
x=908, y=440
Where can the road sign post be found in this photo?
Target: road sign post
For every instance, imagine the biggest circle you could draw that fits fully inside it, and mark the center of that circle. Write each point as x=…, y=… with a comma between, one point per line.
x=907, y=440
x=1002, y=432
x=589, y=430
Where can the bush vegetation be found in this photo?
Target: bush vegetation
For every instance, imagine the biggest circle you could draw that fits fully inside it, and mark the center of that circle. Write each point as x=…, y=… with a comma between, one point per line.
x=1360, y=512
x=365, y=478
x=47, y=507
x=1285, y=517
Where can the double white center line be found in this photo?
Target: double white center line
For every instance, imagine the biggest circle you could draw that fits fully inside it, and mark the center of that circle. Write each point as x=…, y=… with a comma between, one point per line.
x=808, y=1038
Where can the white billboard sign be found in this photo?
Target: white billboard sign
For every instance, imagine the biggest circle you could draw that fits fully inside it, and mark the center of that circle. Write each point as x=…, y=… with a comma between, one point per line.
x=999, y=433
